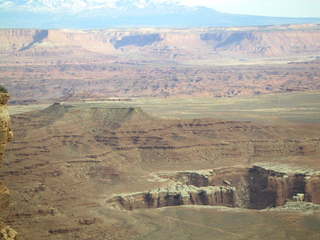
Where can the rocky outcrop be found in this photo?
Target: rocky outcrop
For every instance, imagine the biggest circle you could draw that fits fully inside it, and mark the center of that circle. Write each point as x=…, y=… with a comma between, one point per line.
x=312, y=189
x=6, y=233
x=257, y=187
x=269, y=188
x=5, y=126
x=4, y=196
x=176, y=195
x=271, y=185
x=5, y=136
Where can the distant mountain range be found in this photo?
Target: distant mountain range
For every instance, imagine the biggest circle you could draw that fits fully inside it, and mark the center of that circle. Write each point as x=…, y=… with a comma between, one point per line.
x=83, y=14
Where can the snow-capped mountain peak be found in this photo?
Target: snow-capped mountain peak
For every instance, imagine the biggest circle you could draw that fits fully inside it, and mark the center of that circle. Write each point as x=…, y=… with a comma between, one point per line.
x=81, y=5
x=92, y=14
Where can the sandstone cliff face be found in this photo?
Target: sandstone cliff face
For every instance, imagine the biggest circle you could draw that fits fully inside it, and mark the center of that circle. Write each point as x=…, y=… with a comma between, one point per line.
x=165, y=42
x=6, y=233
x=14, y=39
x=258, y=43
x=270, y=188
x=257, y=187
x=5, y=126
x=5, y=136
x=313, y=189
x=176, y=195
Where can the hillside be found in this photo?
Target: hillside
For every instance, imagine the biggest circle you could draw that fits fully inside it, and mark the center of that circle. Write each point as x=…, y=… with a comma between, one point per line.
x=66, y=162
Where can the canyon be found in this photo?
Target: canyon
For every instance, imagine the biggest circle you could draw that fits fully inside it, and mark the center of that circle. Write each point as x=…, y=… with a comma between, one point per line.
x=256, y=187
x=75, y=169
x=161, y=133
x=60, y=65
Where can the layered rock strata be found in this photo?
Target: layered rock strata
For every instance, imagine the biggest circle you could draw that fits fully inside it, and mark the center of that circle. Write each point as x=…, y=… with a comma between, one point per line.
x=277, y=184
x=269, y=41
x=176, y=195
x=257, y=187
x=6, y=233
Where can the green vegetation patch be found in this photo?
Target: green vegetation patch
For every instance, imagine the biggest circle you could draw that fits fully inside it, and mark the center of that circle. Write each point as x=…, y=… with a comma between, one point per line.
x=3, y=89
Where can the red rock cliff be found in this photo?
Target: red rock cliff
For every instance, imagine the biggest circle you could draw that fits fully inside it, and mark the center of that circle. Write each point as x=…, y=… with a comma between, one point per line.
x=6, y=233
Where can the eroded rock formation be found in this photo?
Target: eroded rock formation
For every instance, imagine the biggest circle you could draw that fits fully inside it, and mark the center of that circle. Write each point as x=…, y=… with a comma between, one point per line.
x=256, y=187
x=281, y=184
x=176, y=195
x=255, y=41
x=105, y=63
x=6, y=233
x=312, y=189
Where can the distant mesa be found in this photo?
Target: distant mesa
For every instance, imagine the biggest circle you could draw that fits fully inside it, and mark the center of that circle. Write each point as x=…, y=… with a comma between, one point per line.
x=149, y=62
x=163, y=44
x=108, y=117
x=56, y=109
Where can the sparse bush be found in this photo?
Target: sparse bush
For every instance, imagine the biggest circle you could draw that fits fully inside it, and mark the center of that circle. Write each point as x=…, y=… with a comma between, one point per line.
x=3, y=89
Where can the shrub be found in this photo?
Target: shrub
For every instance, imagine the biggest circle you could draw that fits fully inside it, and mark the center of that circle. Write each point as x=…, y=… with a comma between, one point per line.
x=3, y=89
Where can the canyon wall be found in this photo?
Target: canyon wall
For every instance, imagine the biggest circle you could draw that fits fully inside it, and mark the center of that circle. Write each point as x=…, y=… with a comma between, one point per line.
x=312, y=189
x=6, y=233
x=59, y=64
x=257, y=187
x=176, y=195
x=176, y=43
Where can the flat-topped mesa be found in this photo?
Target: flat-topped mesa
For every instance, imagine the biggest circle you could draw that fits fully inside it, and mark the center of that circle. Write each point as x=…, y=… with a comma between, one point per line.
x=257, y=187
x=5, y=136
x=202, y=42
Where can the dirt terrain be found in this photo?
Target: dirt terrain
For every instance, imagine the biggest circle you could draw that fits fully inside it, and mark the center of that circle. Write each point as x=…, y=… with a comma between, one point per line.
x=68, y=161
x=48, y=65
x=163, y=133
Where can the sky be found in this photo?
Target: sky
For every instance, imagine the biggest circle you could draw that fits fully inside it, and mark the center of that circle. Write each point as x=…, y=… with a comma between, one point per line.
x=280, y=8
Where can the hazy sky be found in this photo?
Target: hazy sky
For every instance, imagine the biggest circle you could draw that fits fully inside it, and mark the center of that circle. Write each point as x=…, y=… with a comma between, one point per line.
x=283, y=8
